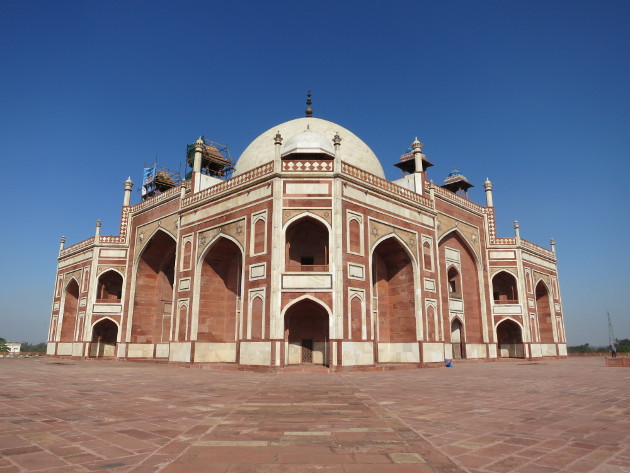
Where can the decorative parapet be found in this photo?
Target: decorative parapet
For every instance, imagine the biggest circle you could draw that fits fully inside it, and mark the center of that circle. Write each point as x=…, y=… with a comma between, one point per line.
x=493, y=240
x=538, y=249
x=455, y=199
x=76, y=247
x=503, y=241
x=124, y=221
x=230, y=184
x=166, y=195
x=112, y=239
x=492, y=229
x=308, y=166
x=122, y=233
x=406, y=156
x=384, y=184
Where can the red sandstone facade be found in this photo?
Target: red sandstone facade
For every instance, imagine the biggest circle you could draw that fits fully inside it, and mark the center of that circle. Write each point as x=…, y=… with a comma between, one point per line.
x=307, y=255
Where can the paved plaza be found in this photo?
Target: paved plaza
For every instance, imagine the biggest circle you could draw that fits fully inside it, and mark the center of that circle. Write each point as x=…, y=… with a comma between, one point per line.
x=521, y=416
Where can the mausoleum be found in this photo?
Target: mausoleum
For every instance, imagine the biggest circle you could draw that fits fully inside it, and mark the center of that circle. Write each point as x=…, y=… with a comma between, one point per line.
x=303, y=253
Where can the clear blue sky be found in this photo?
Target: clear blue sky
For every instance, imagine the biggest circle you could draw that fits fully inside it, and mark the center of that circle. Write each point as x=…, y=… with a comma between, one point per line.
x=534, y=95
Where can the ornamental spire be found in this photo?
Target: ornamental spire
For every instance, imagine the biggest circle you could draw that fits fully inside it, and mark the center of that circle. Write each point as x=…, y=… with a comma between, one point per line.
x=309, y=110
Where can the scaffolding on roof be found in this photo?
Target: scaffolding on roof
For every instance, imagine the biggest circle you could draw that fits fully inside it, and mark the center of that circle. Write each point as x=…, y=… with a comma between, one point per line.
x=157, y=179
x=215, y=159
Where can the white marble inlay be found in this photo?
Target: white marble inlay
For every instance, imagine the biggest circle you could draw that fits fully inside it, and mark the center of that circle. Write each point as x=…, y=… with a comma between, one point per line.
x=307, y=281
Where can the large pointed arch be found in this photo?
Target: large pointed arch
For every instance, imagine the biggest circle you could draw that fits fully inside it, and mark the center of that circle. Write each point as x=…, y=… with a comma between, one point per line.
x=218, y=283
x=394, y=282
x=147, y=241
x=208, y=246
x=194, y=323
x=544, y=313
x=467, y=243
x=466, y=298
x=153, y=289
x=402, y=242
x=70, y=311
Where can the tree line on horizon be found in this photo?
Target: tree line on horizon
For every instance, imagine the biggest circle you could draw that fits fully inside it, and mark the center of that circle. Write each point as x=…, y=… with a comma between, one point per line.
x=25, y=347
x=622, y=344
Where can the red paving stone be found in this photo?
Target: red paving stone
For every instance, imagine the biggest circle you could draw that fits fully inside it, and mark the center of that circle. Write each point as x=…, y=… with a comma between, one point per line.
x=556, y=416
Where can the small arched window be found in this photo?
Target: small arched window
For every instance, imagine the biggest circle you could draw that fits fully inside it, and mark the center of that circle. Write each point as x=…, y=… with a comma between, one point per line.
x=431, y=325
x=86, y=278
x=307, y=246
x=187, y=254
x=183, y=312
x=354, y=236
x=59, y=287
x=504, y=288
x=426, y=255
x=257, y=319
x=528, y=283
x=109, y=287
x=356, y=319
x=259, y=236
x=454, y=285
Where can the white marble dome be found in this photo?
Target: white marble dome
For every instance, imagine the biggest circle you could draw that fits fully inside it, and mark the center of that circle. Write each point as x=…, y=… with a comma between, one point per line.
x=353, y=150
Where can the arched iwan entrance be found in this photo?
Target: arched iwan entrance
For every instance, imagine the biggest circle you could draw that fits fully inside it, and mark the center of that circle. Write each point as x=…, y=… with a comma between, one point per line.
x=543, y=310
x=510, y=339
x=104, y=336
x=220, y=295
x=306, y=334
x=394, y=288
x=70, y=308
x=463, y=295
x=457, y=339
x=152, y=305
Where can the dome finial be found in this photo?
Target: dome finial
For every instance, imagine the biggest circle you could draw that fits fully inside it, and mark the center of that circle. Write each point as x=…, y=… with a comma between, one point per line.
x=309, y=110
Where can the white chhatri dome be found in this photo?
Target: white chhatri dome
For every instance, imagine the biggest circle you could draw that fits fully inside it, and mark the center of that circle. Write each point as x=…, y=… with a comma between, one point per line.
x=353, y=150
x=307, y=142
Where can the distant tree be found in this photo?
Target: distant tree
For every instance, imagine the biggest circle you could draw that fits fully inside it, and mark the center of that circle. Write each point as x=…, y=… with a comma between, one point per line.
x=3, y=346
x=623, y=345
x=29, y=347
x=586, y=348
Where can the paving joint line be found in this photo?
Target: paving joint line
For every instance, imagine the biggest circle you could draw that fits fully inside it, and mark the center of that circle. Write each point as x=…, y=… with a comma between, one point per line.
x=393, y=416
x=234, y=406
